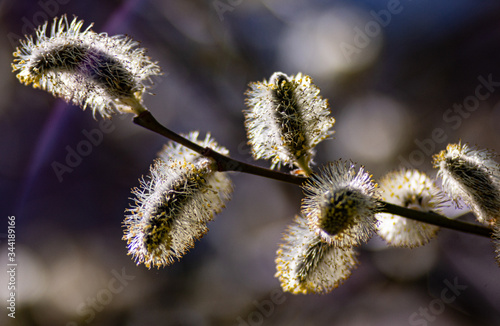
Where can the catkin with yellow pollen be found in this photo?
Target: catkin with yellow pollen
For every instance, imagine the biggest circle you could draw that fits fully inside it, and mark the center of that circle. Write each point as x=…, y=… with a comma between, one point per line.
x=340, y=204
x=174, y=203
x=109, y=74
x=471, y=176
x=306, y=264
x=411, y=189
x=286, y=118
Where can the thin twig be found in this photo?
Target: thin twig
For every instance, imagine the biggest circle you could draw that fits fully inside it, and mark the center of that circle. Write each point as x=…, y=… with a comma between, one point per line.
x=225, y=163
x=436, y=219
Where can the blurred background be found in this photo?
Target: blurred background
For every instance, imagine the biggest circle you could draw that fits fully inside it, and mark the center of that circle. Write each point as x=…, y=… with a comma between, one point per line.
x=402, y=78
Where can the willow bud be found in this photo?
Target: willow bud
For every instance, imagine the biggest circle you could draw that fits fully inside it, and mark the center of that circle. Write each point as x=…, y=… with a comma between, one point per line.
x=305, y=264
x=472, y=176
x=286, y=119
x=105, y=73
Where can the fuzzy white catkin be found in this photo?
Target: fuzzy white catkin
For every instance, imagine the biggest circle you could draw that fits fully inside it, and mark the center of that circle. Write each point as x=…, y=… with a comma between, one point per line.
x=173, y=205
x=305, y=264
x=496, y=240
x=105, y=73
x=341, y=203
x=174, y=151
x=411, y=189
x=286, y=118
x=472, y=176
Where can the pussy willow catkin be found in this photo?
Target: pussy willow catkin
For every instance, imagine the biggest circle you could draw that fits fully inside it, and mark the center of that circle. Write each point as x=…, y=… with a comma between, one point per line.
x=106, y=73
x=471, y=175
x=286, y=118
x=341, y=203
x=174, y=203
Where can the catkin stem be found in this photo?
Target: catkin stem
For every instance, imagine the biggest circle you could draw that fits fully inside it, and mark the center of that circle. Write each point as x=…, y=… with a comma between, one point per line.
x=436, y=219
x=145, y=119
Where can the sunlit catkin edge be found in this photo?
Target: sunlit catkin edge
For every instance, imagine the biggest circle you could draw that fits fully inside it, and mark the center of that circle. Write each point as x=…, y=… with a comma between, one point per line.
x=472, y=176
x=357, y=209
x=327, y=265
x=496, y=240
x=264, y=129
x=105, y=73
x=188, y=224
x=411, y=189
x=174, y=151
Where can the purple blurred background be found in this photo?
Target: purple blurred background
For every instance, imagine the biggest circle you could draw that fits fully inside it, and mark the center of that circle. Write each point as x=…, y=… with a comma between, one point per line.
x=403, y=79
